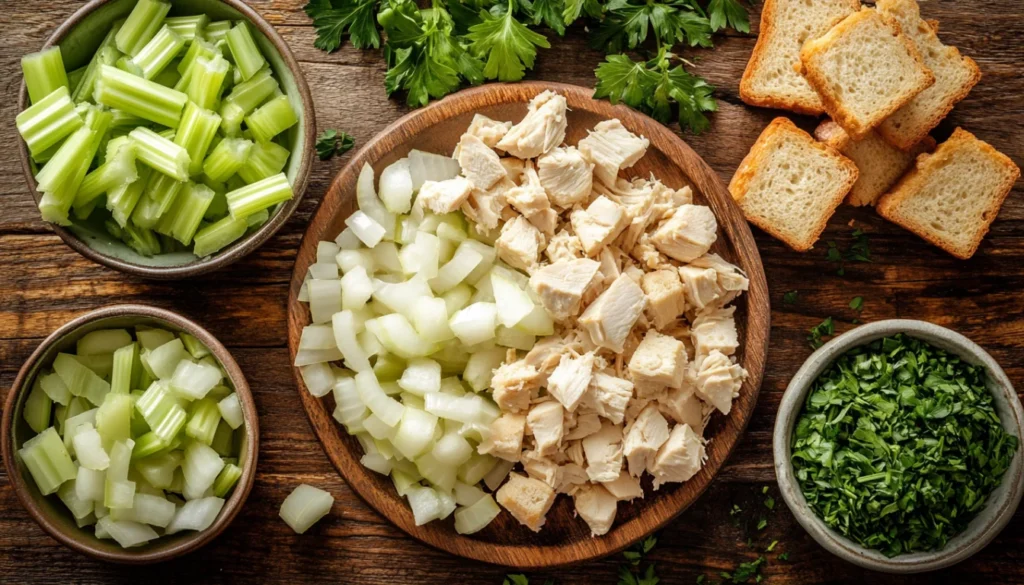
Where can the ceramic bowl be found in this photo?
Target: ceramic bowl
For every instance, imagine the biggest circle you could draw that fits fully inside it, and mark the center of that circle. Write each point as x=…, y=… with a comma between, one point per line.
x=78, y=38
x=48, y=511
x=1002, y=501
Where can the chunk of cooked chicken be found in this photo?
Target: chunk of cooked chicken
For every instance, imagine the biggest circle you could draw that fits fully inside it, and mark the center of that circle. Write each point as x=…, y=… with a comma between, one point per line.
x=560, y=286
x=666, y=297
x=597, y=507
x=649, y=257
x=609, y=319
x=604, y=453
x=598, y=225
x=719, y=380
x=683, y=406
x=611, y=147
x=701, y=285
x=484, y=207
x=680, y=458
x=570, y=477
x=731, y=280
x=480, y=164
x=688, y=234
x=584, y=426
x=489, y=131
x=545, y=423
x=514, y=384
x=659, y=359
x=546, y=354
x=563, y=246
x=646, y=435
x=570, y=380
x=626, y=488
x=519, y=244
x=506, y=438
x=527, y=499
x=531, y=200
x=609, y=395
x=566, y=176
x=444, y=196
x=513, y=168
x=715, y=329
x=540, y=468
x=541, y=130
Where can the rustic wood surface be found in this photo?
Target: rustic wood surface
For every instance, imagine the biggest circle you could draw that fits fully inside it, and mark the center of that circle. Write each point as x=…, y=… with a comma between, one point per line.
x=43, y=284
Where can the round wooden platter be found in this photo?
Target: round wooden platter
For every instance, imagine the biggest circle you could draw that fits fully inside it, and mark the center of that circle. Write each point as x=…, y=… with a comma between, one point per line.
x=564, y=539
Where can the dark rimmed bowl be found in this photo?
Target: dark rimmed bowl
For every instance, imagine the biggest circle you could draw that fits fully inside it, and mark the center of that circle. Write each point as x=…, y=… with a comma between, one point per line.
x=78, y=38
x=49, y=512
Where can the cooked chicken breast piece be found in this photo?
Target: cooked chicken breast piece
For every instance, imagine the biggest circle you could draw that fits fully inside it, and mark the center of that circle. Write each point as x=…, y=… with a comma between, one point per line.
x=646, y=435
x=570, y=477
x=609, y=319
x=480, y=164
x=545, y=424
x=603, y=450
x=489, y=131
x=666, y=297
x=599, y=224
x=659, y=359
x=719, y=380
x=563, y=246
x=540, y=468
x=570, y=380
x=597, y=507
x=444, y=196
x=680, y=458
x=506, y=438
x=513, y=386
x=485, y=207
x=609, y=395
x=701, y=285
x=626, y=488
x=688, y=234
x=585, y=425
x=519, y=244
x=715, y=329
x=530, y=199
x=541, y=130
x=527, y=499
x=560, y=286
x=566, y=176
x=683, y=406
x=611, y=148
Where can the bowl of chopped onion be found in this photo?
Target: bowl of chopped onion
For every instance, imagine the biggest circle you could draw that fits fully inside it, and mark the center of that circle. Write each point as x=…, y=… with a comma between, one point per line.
x=130, y=435
x=165, y=139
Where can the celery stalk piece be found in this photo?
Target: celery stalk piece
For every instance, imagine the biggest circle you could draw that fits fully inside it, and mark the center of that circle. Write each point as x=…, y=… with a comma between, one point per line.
x=259, y=195
x=158, y=52
x=148, y=445
x=74, y=423
x=120, y=461
x=106, y=54
x=246, y=54
x=305, y=506
x=197, y=49
x=44, y=73
x=195, y=133
x=38, y=408
x=161, y=411
x=227, y=479
x=214, y=237
x=223, y=440
x=89, y=483
x=150, y=509
x=125, y=63
x=89, y=448
x=475, y=517
x=193, y=346
x=227, y=158
x=75, y=78
x=161, y=154
x=141, y=25
x=124, y=361
x=265, y=159
x=128, y=534
x=207, y=80
x=55, y=388
x=182, y=220
x=271, y=119
x=197, y=514
x=193, y=380
x=158, y=470
x=47, y=461
x=142, y=240
x=62, y=168
x=231, y=411
x=250, y=94
x=102, y=342
x=217, y=30
x=114, y=419
x=201, y=467
x=141, y=97
x=187, y=27
x=125, y=120
x=163, y=360
x=153, y=338
x=157, y=198
x=80, y=380
x=169, y=77
x=48, y=121
x=202, y=424
x=118, y=171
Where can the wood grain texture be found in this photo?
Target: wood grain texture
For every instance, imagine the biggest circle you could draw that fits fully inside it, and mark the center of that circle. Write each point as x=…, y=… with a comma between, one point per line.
x=564, y=539
x=43, y=284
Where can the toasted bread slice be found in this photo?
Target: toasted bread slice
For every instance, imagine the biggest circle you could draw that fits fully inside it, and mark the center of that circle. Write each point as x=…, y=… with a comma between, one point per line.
x=771, y=79
x=951, y=197
x=864, y=69
x=955, y=75
x=880, y=163
x=789, y=185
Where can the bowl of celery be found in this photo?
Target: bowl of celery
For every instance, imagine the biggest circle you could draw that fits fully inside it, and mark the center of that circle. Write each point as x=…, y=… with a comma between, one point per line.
x=130, y=435
x=165, y=138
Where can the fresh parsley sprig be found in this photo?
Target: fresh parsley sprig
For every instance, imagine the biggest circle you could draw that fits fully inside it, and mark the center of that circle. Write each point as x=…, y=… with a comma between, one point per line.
x=331, y=142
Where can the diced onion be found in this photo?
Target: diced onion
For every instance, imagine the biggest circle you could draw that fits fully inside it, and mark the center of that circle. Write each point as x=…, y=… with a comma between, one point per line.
x=305, y=506
x=365, y=228
x=197, y=514
x=514, y=304
x=319, y=379
x=475, y=323
x=475, y=517
x=396, y=187
x=381, y=405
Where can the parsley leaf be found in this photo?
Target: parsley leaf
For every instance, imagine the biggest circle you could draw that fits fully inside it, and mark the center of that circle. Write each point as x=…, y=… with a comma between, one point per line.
x=728, y=13
x=857, y=303
x=791, y=297
x=769, y=503
x=746, y=571
x=509, y=46
x=826, y=327
x=548, y=13
x=332, y=19
x=772, y=546
x=331, y=142
x=519, y=579
x=762, y=523
x=783, y=556
x=576, y=8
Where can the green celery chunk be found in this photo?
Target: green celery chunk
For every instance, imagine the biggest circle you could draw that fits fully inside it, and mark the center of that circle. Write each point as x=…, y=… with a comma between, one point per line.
x=142, y=240
x=141, y=25
x=102, y=342
x=141, y=97
x=79, y=508
x=265, y=159
x=202, y=424
x=48, y=121
x=259, y=195
x=118, y=491
x=153, y=338
x=38, y=408
x=206, y=81
x=124, y=119
x=226, y=480
x=164, y=360
x=196, y=50
x=100, y=363
x=223, y=440
x=182, y=220
x=62, y=168
x=61, y=177
x=106, y=54
x=44, y=73
x=169, y=77
x=158, y=52
x=193, y=346
x=118, y=171
x=148, y=445
x=217, y=31
x=55, y=388
x=161, y=154
x=75, y=78
x=124, y=360
x=156, y=199
x=196, y=132
x=247, y=55
x=219, y=206
x=47, y=461
x=121, y=201
x=125, y=63
x=215, y=236
x=161, y=411
x=226, y=159
x=257, y=219
x=271, y=119
x=250, y=94
x=114, y=419
x=187, y=27
x=158, y=470
x=80, y=380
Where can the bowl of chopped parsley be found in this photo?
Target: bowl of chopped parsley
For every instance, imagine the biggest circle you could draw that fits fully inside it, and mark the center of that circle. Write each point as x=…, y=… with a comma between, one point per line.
x=897, y=447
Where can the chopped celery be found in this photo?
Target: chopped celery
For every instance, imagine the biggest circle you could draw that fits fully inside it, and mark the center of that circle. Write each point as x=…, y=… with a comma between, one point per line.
x=128, y=534
x=187, y=27
x=124, y=360
x=195, y=134
x=142, y=240
x=89, y=484
x=79, y=508
x=305, y=506
x=55, y=388
x=141, y=97
x=197, y=514
x=44, y=73
x=169, y=77
x=223, y=440
x=37, y=408
x=197, y=49
x=157, y=198
x=207, y=80
x=80, y=380
x=231, y=411
x=161, y=154
x=265, y=159
x=271, y=119
x=226, y=159
x=106, y=54
x=73, y=423
x=161, y=411
x=227, y=479
x=89, y=448
x=159, y=470
x=202, y=424
x=60, y=171
x=194, y=380
x=153, y=338
x=148, y=445
x=163, y=360
x=193, y=346
x=102, y=341
x=201, y=467
x=259, y=195
x=154, y=510
x=47, y=461
x=250, y=94
x=75, y=77
x=125, y=63
x=247, y=55
x=215, y=236
x=48, y=121
x=217, y=30
x=121, y=201
x=182, y=220
x=114, y=418
x=158, y=52
x=141, y=25
x=119, y=171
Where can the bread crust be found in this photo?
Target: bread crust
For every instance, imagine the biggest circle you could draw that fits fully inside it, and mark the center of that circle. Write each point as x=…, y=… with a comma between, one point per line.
x=911, y=184
x=752, y=162
x=855, y=127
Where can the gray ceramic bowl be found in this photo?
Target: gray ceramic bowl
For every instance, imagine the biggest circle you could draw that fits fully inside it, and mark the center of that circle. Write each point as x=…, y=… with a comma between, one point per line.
x=48, y=511
x=78, y=38
x=1002, y=502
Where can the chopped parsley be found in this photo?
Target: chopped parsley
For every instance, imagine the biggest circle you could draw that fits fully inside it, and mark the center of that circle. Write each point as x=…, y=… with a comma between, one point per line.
x=630, y=573
x=791, y=297
x=762, y=523
x=826, y=327
x=783, y=556
x=859, y=251
x=857, y=304
x=331, y=142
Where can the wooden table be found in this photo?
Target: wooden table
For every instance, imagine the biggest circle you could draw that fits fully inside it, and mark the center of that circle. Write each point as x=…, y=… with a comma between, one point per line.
x=43, y=283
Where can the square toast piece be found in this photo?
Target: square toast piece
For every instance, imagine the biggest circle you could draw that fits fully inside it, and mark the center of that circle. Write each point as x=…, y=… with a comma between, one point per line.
x=864, y=69
x=880, y=163
x=951, y=197
x=789, y=185
x=772, y=79
x=954, y=77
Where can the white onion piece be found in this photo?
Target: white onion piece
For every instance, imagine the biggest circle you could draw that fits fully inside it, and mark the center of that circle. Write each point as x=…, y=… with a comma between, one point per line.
x=424, y=503
x=348, y=408
x=125, y=532
x=399, y=337
x=456, y=270
x=415, y=433
x=430, y=318
x=369, y=204
x=478, y=466
x=497, y=474
x=89, y=448
x=427, y=166
x=89, y=484
x=474, y=518
x=324, y=299
x=401, y=297
x=345, y=331
x=466, y=494
x=319, y=379
x=197, y=514
x=231, y=410
x=366, y=228
x=385, y=257
x=317, y=337
x=538, y=322
x=349, y=259
x=475, y=323
x=480, y=368
x=514, y=338
x=439, y=475
x=347, y=240
x=513, y=302
x=376, y=462
x=465, y=409
x=324, y=270
x=452, y=450
x=381, y=405
x=396, y=187
x=305, y=506
x=304, y=357
x=356, y=288
x=195, y=380
x=326, y=251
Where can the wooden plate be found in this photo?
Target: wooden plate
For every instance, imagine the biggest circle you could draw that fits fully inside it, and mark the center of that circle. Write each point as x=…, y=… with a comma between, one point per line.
x=564, y=539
